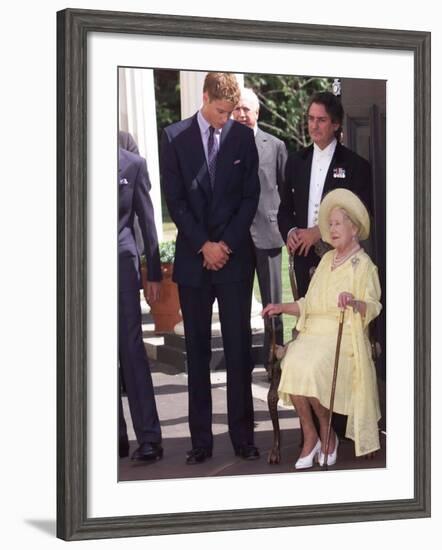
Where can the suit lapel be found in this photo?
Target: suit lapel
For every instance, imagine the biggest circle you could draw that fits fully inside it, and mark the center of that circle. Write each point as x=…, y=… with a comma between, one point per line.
x=302, y=193
x=261, y=141
x=224, y=161
x=337, y=161
x=197, y=158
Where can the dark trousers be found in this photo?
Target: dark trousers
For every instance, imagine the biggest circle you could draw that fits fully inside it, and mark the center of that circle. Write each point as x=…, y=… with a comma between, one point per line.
x=268, y=270
x=135, y=371
x=234, y=301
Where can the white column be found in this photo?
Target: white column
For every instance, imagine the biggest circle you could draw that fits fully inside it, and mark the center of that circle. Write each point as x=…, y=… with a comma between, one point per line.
x=191, y=92
x=138, y=117
x=240, y=79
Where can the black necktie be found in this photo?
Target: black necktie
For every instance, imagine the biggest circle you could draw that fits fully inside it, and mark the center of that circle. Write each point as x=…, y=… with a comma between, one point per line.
x=211, y=155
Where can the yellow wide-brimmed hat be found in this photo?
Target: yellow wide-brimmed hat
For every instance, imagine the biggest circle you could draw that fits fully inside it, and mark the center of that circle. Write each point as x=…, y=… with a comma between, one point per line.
x=352, y=204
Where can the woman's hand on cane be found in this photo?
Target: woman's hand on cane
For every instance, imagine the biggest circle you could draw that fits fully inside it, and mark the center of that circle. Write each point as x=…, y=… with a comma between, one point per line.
x=276, y=309
x=345, y=299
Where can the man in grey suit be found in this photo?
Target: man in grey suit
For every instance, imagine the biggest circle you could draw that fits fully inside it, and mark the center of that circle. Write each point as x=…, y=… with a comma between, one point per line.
x=266, y=238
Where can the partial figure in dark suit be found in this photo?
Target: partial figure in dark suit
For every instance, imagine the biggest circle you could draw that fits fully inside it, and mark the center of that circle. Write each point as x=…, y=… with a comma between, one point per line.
x=126, y=141
x=265, y=233
x=134, y=198
x=310, y=174
x=209, y=167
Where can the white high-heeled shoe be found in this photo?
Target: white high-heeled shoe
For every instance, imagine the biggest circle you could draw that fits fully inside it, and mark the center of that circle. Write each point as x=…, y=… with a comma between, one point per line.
x=307, y=461
x=332, y=457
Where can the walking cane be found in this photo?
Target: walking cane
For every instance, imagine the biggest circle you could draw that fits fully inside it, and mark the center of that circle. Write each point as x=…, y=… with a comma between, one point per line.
x=272, y=400
x=333, y=388
x=275, y=376
x=292, y=276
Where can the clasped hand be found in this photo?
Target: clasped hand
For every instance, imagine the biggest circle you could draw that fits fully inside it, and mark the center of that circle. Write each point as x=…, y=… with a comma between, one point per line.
x=215, y=255
x=301, y=240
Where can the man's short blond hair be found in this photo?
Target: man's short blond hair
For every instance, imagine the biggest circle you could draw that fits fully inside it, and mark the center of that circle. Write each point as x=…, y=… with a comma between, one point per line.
x=222, y=86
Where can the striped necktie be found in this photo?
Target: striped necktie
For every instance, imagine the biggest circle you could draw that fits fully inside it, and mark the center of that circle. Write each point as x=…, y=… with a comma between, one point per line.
x=211, y=155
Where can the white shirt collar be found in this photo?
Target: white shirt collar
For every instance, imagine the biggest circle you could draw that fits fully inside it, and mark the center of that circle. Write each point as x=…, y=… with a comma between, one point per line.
x=327, y=151
x=204, y=125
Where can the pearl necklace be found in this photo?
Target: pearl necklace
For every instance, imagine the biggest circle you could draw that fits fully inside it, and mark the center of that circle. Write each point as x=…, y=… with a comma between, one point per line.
x=336, y=262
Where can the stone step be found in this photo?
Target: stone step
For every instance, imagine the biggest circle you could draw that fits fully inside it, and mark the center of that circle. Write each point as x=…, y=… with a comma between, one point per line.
x=178, y=341
x=178, y=357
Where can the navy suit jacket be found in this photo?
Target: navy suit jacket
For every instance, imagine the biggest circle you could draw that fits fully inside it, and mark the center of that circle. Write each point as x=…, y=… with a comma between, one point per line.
x=202, y=214
x=293, y=210
x=133, y=197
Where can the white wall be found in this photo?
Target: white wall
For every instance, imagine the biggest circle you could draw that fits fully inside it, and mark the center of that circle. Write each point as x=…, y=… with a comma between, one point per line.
x=27, y=304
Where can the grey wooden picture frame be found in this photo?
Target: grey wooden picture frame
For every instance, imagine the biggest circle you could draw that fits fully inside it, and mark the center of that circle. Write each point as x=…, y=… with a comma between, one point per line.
x=73, y=27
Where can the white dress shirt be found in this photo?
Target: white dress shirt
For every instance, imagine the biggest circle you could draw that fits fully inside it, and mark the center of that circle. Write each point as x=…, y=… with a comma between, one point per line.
x=204, y=129
x=320, y=164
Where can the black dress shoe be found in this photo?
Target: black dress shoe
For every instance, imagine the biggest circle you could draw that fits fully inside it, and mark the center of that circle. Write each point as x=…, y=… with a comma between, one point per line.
x=123, y=447
x=247, y=452
x=148, y=451
x=198, y=455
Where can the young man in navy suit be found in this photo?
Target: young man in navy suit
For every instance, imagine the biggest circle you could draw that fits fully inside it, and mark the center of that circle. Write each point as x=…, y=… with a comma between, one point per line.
x=133, y=198
x=310, y=174
x=209, y=167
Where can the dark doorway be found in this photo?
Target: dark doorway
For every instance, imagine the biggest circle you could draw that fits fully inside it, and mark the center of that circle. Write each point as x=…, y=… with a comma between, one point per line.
x=364, y=102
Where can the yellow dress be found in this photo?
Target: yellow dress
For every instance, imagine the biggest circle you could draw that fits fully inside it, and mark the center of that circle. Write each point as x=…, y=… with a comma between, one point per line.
x=307, y=367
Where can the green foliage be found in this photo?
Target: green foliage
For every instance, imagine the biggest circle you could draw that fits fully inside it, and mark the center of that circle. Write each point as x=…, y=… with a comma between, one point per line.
x=283, y=104
x=167, y=252
x=167, y=98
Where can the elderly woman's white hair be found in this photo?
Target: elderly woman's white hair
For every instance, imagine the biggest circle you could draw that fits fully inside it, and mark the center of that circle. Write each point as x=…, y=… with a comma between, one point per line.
x=353, y=207
x=249, y=95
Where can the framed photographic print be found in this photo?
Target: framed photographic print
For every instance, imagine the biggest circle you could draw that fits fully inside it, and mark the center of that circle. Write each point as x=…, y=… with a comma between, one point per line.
x=92, y=47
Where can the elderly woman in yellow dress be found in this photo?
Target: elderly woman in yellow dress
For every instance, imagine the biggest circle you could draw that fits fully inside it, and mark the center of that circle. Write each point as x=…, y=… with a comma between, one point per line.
x=346, y=278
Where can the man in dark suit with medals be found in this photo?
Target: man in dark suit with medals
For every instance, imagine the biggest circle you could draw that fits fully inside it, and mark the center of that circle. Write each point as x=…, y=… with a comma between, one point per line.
x=209, y=166
x=310, y=174
x=265, y=233
x=133, y=198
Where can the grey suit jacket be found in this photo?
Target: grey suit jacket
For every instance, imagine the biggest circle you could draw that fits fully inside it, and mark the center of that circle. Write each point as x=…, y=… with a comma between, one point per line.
x=272, y=159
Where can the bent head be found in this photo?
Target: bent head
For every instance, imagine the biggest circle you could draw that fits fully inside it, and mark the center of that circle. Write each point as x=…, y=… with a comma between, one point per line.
x=220, y=95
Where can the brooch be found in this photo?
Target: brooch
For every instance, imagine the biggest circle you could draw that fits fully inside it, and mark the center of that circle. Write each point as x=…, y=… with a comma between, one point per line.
x=354, y=261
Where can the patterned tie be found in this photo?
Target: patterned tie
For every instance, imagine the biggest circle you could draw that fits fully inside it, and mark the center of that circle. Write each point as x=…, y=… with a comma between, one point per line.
x=211, y=154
